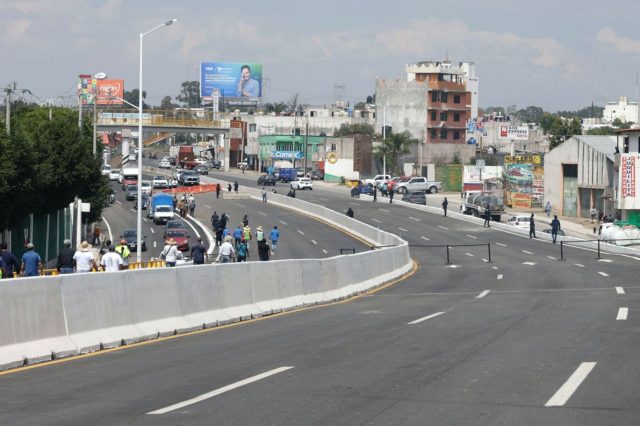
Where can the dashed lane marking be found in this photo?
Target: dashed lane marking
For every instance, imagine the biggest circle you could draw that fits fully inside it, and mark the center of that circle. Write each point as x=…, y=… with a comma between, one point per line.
x=551, y=257
x=425, y=238
x=240, y=205
x=207, y=206
x=501, y=245
x=324, y=251
x=622, y=314
x=499, y=276
x=578, y=264
x=324, y=199
x=155, y=244
x=428, y=317
x=153, y=231
x=118, y=202
x=354, y=204
x=528, y=252
x=605, y=260
x=604, y=274
x=403, y=230
x=262, y=213
x=443, y=227
x=386, y=211
x=145, y=219
x=300, y=232
x=314, y=242
x=483, y=294
x=571, y=385
x=471, y=236
x=529, y=263
x=413, y=218
x=494, y=267
x=376, y=220
x=469, y=254
x=619, y=290
x=133, y=210
x=485, y=260
x=283, y=222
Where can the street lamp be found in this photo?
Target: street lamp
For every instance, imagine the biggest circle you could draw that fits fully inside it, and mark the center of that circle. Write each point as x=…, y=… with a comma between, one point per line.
x=139, y=201
x=99, y=76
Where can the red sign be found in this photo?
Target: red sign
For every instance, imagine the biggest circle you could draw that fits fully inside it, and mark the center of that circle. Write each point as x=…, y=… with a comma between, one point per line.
x=628, y=174
x=110, y=92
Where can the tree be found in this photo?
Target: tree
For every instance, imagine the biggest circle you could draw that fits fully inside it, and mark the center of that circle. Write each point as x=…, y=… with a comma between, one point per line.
x=530, y=114
x=392, y=148
x=166, y=103
x=359, y=105
x=563, y=129
x=347, y=129
x=607, y=130
x=190, y=94
x=132, y=98
x=276, y=107
x=620, y=124
x=293, y=105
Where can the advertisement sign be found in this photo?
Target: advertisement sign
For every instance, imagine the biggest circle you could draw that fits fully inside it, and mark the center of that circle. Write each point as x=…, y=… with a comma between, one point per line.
x=286, y=155
x=231, y=79
x=515, y=133
x=628, y=175
x=109, y=91
x=523, y=159
x=86, y=88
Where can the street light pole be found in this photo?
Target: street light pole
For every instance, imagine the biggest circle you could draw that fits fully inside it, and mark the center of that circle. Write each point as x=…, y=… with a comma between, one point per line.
x=139, y=200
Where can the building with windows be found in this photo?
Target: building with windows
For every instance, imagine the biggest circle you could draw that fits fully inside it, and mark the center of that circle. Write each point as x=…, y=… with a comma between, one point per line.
x=623, y=109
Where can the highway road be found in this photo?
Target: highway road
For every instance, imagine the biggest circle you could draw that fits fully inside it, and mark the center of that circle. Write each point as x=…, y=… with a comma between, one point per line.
x=525, y=339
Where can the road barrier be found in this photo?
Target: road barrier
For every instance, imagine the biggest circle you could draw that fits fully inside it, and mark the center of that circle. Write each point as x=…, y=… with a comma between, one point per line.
x=62, y=315
x=449, y=246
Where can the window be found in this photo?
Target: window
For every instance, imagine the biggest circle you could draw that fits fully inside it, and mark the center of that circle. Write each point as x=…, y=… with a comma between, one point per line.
x=252, y=127
x=443, y=134
x=444, y=96
x=456, y=116
x=434, y=96
x=434, y=134
x=333, y=147
x=456, y=135
x=443, y=116
x=456, y=99
x=434, y=116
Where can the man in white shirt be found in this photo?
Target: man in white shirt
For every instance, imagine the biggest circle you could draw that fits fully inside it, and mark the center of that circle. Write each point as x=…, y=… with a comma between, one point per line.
x=111, y=261
x=84, y=259
x=226, y=251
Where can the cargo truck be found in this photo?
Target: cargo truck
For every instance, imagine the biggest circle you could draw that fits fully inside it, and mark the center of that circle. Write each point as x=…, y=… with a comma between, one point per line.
x=161, y=208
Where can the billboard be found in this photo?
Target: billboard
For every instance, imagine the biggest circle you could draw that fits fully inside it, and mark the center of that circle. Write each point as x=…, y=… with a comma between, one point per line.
x=516, y=133
x=109, y=91
x=86, y=88
x=231, y=79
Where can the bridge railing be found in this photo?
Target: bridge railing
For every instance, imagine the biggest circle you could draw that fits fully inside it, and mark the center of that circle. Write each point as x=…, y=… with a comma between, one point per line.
x=175, y=118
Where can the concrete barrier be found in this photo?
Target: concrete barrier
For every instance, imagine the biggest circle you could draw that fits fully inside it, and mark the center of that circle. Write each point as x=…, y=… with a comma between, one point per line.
x=51, y=317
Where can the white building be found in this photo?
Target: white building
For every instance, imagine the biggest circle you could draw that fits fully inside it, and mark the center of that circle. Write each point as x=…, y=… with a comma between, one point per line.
x=623, y=110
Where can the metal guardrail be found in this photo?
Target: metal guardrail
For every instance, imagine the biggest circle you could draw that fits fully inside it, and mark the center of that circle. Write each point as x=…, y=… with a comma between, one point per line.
x=348, y=250
x=599, y=241
x=448, y=246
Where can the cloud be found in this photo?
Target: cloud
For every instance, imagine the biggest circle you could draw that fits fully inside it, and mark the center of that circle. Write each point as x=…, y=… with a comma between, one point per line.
x=17, y=28
x=609, y=37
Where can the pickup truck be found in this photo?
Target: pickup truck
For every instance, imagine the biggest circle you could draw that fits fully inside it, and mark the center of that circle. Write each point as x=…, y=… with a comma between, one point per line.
x=377, y=179
x=417, y=183
x=189, y=177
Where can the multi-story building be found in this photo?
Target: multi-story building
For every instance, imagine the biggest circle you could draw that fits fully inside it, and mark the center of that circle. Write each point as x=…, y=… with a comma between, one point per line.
x=623, y=110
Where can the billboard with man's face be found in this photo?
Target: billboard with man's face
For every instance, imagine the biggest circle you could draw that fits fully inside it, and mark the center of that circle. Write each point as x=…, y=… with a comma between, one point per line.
x=231, y=80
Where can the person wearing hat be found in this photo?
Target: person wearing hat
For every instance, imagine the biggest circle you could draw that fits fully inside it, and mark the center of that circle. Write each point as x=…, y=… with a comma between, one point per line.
x=84, y=259
x=259, y=234
x=66, y=264
x=31, y=262
x=170, y=252
x=123, y=250
x=111, y=261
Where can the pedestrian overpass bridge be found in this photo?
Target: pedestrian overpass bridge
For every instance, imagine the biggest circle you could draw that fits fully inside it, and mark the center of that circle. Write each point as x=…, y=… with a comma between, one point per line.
x=171, y=121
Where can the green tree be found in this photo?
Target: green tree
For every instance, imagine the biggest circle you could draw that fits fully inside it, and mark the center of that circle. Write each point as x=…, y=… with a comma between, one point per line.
x=607, y=130
x=166, y=104
x=132, y=98
x=277, y=107
x=354, y=129
x=394, y=147
x=563, y=129
x=621, y=124
x=190, y=94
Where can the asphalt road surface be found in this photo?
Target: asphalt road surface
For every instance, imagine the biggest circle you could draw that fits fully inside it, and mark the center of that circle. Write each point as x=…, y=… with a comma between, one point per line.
x=524, y=339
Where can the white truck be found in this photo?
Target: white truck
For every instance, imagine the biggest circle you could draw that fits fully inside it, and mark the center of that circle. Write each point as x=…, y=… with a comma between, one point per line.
x=377, y=179
x=417, y=183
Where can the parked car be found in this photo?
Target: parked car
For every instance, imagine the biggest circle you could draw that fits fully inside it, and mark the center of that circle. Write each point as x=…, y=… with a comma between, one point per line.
x=416, y=197
x=131, y=236
x=131, y=192
x=300, y=172
x=362, y=188
x=202, y=170
x=377, y=179
x=114, y=174
x=105, y=170
x=267, y=180
x=180, y=236
x=317, y=174
x=518, y=220
x=160, y=182
x=164, y=164
x=215, y=164
x=417, y=183
x=302, y=183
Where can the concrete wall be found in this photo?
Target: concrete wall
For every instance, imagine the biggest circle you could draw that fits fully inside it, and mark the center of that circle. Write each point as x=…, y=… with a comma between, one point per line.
x=52, y=317
x=401, y=105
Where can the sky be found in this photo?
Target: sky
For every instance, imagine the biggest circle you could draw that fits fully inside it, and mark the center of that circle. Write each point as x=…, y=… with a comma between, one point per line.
x=560, y=55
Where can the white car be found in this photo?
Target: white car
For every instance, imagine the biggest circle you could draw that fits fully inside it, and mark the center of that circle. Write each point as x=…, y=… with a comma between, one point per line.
x=105, y=170
x=160, y=182
x=164, y=164
x=519, y=220
x=302, y=183
x=146, y=187
x=114, y=174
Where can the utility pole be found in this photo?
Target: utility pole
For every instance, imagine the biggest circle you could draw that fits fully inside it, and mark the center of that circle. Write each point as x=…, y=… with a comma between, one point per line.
x=8, y=91
x=306, y=145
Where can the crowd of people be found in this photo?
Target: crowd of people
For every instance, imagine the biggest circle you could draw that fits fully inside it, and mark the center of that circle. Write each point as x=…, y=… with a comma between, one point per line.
x=235, y=245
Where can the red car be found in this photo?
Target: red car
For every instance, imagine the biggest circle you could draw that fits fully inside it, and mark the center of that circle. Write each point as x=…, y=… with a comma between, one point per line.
x=180, y=236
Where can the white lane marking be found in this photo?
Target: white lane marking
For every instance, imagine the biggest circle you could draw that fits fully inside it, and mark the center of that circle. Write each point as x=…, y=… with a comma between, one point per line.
x=386, y=211
x=469, y=254
x=153, y=231
x=108, y=228
x=403, y=230
x=499, y=276
x=577, y=264
x=453, y=266
x=619, y=290
x=314, y=242
x=283, y=222
x=471, y=236
x=133, y=210
x=324, y=199
x=354, y=204
x=604, y=274
x=192, y=227
x=528, y=263
x=622, y=314
x=207, y=206
x=483, y=294
x=118, y=202
x=501, y=245
x=300, y=232
x=217, y=392
x=416, y=219
x=571, y=385
x=155, y=244
x=428, y=317
x=551, y=257
x=324, y=251
x=605, y=260
x=262, y=213
x=376, y=220
x=425, y=238
x=443, y=227
x=528, y=252
x=240, y=205
x=485, y=260
x=145, y=219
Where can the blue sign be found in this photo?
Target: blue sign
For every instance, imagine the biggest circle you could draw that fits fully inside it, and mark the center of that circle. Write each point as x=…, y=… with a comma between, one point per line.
x=472, y=141
x=231, y=79
x=471, y=125
x=287, y=155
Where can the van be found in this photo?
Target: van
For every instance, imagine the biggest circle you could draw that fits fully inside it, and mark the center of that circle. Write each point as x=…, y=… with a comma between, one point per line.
x=287, y=174
x=519, y=220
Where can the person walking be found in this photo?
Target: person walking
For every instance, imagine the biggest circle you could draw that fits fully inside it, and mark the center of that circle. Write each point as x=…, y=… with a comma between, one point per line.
x=192, y=206
x=274, y=237
x=11, y=264
x=259, y=235
x=263, y=250
x=235, y=186
x=199, y=252
x=487, y=216
x=237, y=235
x=246, y=235
x=547, y=209
x=111, y=261
x=229, y=187
x=96, y=235
x=390, y=190
x=555, y=227
x=123, y=250
x=218, y=189
x=375, y=193
x=175, y=201
x=242, y=252
x=170, y=253
x=245, y=220
x=84, y=258
x=264, y=195
x=214, y=221
x=593, y=213
x=532, y=227
x=350, y=212
x=226, y=252
x=31, y=262
x=65, y=263
x=445, y=204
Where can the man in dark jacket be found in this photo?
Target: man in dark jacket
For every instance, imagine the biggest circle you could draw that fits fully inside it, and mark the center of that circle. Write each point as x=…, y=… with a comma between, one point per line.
x=555, y=227
x=487, y=217
x=532, y=227
x=11, y=264
x=263, y=250
x=66, y=263
x=445, y=204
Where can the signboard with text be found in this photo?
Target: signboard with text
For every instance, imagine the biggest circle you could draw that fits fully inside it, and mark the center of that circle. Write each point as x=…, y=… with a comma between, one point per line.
x=110, y=92
x=516, y=133
x=628, y=175
x=231, y=80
